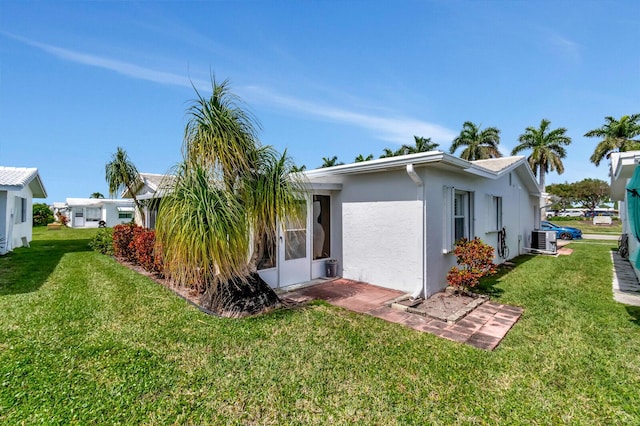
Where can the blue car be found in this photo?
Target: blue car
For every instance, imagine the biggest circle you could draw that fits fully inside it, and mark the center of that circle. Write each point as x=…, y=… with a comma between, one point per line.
x=562, y=232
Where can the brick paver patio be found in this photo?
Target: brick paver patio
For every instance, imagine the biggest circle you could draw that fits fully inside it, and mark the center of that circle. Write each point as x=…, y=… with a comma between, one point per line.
x=483, y=328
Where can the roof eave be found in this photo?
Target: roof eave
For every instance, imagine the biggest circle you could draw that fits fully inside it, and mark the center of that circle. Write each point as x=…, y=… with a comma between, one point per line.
x=388, y=164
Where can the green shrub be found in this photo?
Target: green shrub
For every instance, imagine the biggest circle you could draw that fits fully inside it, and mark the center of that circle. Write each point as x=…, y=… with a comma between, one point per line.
x=102, y=242
x=42, y=214
x=566, y=219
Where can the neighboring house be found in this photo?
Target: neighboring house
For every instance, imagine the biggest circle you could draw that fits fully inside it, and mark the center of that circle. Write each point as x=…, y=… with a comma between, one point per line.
x=90, y=212
x=624, y=165
x=393, y=222
x=18, y=187
x=148, y=193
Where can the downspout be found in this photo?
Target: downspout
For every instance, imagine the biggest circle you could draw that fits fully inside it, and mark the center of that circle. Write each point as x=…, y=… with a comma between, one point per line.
x=422, y=218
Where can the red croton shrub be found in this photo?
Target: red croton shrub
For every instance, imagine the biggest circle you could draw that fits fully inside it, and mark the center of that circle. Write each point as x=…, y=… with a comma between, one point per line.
x=143, y=247
x=137, y=245
x=475, y=260
x=122, y=237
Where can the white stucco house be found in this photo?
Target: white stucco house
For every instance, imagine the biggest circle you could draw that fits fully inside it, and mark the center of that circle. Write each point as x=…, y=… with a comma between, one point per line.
x=18, y=187
x=148, y=193
x=393, y=222
x=623, y=167
x=90, y=212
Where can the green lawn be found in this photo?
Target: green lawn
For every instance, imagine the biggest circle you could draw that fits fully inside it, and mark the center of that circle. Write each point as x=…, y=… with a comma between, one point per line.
x=587, y=226
x=84, y=340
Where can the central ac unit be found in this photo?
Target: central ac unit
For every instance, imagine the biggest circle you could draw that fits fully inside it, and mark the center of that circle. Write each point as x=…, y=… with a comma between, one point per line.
x=544, y=240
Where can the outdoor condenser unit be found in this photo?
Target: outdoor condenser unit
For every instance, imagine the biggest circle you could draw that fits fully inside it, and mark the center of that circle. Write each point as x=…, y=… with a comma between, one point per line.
x=543, y=240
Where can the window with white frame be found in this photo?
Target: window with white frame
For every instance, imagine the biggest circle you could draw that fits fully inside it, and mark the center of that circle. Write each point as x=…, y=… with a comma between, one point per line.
x=94, y=214
x=20, y=215
x=458, y=216
x=461, y=215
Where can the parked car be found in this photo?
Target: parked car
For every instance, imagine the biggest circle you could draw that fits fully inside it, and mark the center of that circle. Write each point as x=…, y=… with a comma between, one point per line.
x=570, y=213
x=594, y=213
x=562, y=232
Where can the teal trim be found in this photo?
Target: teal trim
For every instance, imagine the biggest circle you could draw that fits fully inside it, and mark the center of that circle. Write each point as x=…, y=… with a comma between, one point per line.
x=633, y=212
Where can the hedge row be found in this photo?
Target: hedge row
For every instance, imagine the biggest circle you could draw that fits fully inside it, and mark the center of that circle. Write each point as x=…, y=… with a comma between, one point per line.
x=136, y=245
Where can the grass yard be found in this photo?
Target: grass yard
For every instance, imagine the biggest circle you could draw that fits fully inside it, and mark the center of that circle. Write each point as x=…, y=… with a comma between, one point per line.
x=587, y=226
x=85, y=340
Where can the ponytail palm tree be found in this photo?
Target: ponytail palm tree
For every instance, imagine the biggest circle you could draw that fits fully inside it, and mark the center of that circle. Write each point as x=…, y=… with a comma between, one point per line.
x=480, y=144
x=547, y=149
x=617, y=136
x=121, y=173
x=222, y=213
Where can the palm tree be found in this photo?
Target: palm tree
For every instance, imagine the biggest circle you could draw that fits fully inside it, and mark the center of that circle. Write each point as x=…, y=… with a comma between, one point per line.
x=121, y=173
x=96, y=195
x=386, y=153
x=330, y=162
x=296, y=169
x=360, y=158
x=547, y=149
x=221, y=215
x=422, y=144
x=617, y=136
x=480, y=145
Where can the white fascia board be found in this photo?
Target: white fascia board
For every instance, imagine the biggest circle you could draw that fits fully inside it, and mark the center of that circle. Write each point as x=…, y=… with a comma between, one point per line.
x=11, y=187
x=37, y=187
x=626, y=164
x=323, y=186
x=389, y=163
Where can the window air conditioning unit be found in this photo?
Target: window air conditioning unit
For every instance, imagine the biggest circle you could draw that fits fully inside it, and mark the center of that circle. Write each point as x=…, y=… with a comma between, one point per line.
x=544, y=240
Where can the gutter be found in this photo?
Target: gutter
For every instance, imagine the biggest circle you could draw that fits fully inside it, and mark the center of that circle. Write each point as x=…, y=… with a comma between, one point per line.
x=422, y=217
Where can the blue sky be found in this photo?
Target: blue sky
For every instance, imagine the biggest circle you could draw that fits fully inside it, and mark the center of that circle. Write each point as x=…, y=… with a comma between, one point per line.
x=324, y=78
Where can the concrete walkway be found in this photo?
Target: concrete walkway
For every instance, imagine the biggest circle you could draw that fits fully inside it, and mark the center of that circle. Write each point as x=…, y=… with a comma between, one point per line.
x=483, y=328
x=625, y=282
x=607, y=237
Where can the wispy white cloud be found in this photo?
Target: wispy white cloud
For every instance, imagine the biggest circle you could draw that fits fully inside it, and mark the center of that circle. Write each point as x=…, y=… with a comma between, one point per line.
x=395, y=129
x=124, y=68
x=563, y=46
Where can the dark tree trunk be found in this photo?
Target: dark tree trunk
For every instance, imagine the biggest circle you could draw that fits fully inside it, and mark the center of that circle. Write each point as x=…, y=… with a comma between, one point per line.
x=240, y=297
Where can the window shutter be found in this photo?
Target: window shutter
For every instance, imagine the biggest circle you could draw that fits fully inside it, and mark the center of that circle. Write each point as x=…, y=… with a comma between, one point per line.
x=447, y=212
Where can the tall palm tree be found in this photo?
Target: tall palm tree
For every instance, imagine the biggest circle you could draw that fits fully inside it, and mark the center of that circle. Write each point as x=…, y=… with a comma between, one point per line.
x=360, y=158
x=330, y=162
x=221, y=214
x=295, y=169
x=617, y=136
x=96, y=195
x=547, y=149
x=422, y=144
x=121, y=173
x=386, y=153
x=480, y=144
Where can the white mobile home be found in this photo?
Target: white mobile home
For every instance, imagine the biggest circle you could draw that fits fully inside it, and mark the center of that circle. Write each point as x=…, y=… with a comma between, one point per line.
x=151, y=188
x=18, y=187
x=393, y=222
x=96, y=212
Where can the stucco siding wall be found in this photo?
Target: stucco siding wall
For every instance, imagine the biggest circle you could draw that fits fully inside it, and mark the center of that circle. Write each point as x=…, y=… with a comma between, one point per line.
x=4, y=220
x=110, y=215
x=381, y=230
x=21, y=229
x=379, y=243
x=518, y=217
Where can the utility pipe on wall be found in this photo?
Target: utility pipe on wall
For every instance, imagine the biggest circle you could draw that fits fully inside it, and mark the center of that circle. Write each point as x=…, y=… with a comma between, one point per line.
x=422, y=218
